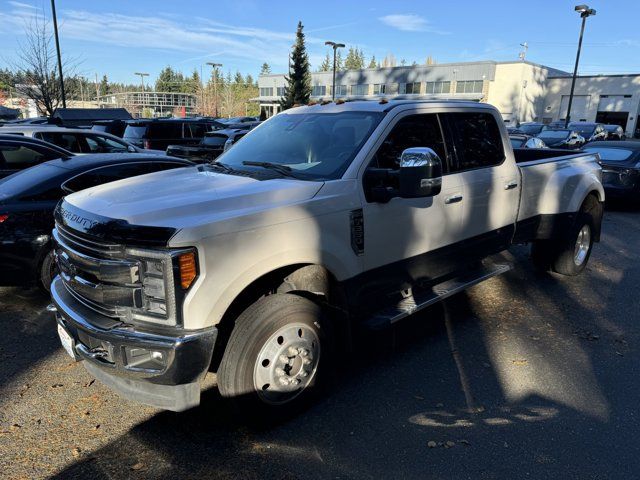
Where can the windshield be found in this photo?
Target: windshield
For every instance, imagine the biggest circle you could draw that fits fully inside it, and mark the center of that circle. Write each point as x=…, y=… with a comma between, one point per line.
x=584, y=130
x=135, y=131
x=314, y=145
x=553, y=134
x=517, y=142
x=610, y=154
x=530, y=129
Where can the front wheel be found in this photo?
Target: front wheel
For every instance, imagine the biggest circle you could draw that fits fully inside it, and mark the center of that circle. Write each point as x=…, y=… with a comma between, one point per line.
x=277, y=354
x=48, y=270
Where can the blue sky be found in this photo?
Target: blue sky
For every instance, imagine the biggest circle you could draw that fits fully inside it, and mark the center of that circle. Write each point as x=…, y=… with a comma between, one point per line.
x=119, y=37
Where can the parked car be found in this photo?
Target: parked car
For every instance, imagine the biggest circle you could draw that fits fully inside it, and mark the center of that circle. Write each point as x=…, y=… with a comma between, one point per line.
x=18, y=153
x=615, y=132
x=160, y=133
x=323, y=219
x=27, y=200
x=113, y=127
x=561, y=138
x=211, y=146
x=28, y=121
x=531, y=128
x=526, y=141
x=592, y=132
x=78, y=140
x=620, y=162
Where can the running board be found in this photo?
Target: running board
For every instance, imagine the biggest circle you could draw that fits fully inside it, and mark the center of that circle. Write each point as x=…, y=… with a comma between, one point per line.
x=415, y=302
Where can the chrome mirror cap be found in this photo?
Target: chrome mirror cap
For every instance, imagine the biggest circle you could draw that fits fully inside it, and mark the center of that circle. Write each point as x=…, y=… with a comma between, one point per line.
x=419, y=157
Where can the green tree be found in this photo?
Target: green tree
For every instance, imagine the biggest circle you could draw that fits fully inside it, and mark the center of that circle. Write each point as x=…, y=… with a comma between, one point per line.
x=326, y=64
x=298, y=89
x=105, y=88
x=249, y=81
x=265, y=69
x=361, y=59
x=169, y=80
x=339, y=62
x=372, y=63
x=354, y=60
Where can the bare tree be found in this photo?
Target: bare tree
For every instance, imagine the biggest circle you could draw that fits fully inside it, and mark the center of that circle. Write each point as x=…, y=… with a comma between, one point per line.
x=38, y=65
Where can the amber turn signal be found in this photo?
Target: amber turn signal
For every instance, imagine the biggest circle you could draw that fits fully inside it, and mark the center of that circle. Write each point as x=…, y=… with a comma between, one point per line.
x=188, y=271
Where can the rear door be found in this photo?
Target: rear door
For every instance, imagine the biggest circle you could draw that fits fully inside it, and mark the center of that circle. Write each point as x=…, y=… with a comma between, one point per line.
x=67, y=140
x=490, y=181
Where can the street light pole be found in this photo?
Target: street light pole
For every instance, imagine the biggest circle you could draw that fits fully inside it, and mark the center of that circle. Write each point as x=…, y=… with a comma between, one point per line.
x=142, y=75
x=335, y=47
x=215, y=83
x=55, y=32
x=585, y=12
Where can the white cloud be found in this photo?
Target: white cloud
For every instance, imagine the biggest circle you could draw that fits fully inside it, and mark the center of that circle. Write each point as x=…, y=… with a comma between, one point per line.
x=410, y=23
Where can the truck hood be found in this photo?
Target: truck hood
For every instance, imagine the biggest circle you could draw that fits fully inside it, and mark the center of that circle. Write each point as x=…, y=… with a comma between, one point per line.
x=186, y=197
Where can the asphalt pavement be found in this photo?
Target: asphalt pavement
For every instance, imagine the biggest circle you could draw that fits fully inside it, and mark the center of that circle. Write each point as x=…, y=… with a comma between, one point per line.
x=524, y=376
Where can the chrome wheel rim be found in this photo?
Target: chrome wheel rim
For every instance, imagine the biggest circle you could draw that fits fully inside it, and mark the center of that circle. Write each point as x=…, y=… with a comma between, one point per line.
x=287, y=363
x=583, y=243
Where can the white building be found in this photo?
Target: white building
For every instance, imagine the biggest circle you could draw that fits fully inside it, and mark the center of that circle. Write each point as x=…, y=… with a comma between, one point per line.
x=522, y=91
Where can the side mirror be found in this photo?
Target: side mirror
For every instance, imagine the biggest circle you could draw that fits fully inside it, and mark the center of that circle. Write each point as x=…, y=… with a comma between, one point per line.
x=420, y=173
x=131, y=149
x=227, y=145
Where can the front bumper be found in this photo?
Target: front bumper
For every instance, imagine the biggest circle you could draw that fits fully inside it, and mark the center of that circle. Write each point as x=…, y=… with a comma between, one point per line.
x=107, y=346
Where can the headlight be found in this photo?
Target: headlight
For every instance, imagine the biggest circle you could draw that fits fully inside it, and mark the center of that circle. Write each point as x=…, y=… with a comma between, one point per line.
x=162, y=283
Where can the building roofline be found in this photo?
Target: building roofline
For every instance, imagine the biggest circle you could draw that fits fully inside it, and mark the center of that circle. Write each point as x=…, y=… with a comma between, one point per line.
x=599, y=75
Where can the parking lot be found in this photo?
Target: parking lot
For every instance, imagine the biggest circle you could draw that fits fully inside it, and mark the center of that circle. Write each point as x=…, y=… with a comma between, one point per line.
x=524, y=376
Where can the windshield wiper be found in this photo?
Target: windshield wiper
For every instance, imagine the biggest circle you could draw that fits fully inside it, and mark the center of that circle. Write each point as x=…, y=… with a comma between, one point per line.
x=278, y=167
x=219, y=166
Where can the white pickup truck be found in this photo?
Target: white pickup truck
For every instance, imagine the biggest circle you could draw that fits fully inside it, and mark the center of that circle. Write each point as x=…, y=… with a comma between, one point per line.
x=323, y=218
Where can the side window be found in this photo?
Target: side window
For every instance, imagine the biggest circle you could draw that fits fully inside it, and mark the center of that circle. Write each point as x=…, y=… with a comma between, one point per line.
x=477, y=140
x=421, y=130
x=197, y=130
x=99, y=176
x=68, y=141
x=98, y=143
x=19, y=157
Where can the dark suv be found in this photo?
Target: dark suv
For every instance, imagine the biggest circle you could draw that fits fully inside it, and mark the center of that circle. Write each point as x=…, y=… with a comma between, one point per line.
x=158, y=134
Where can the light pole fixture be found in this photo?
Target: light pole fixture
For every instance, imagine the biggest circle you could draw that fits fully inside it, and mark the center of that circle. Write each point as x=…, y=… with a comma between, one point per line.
x=585, y=12
x=335, y=47
x=215, y=83
x=142, y=75
x=55, y=32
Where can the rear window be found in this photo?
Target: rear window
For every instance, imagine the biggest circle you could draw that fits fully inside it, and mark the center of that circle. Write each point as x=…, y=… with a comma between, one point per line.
x=135, y=131
x=553, y=134
x=165, y=130
x=610, y=154
x=215, y=140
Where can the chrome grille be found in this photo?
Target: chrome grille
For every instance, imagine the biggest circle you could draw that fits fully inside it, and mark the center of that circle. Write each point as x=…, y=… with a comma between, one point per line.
x=97, y=273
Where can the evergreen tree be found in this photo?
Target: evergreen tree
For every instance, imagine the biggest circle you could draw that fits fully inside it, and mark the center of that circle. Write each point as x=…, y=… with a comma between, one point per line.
x=169, y=80
x=326, y=65
x=265, y=69
x=238, y=79
x=361, y=60
x=249, y=80
x=372, y=63
x=351, y=62
x=339, y=62
x=298, y=89
x=105, y=88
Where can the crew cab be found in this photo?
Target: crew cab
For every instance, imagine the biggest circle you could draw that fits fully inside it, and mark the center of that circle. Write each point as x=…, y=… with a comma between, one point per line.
x=323, y=220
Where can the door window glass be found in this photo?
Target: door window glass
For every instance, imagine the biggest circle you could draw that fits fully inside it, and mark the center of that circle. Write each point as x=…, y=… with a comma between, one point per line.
x=477, y=140
x=19, y=157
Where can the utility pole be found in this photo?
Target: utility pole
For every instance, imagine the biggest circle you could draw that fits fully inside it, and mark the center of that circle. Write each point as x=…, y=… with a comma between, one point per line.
x=142, y=75
x=97, y=88
x=335, y=47
x=55, y=31
x=585, y=12
x=215, y=83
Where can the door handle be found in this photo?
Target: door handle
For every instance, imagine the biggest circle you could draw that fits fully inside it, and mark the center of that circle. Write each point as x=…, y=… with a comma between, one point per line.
x=453, y=199
x=510, y=185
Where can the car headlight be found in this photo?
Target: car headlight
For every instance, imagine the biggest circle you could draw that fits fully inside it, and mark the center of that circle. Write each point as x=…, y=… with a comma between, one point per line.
x=164, y=278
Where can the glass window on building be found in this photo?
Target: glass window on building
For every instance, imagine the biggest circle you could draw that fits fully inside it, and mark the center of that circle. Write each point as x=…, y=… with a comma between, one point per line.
x=360, y=89
x=280, y=91
x=438, y=87
x=410, y=88
x=392, y=88
x=379, y=89
x=341, y=90
x=319, y=90
x=469, y=86
x=266, y=91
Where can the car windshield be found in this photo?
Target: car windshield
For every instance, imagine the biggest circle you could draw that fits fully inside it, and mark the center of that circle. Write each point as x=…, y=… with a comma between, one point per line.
x=314, y=145
x=553, y=134
x=611, y=128
x=135, y=131
x=610, y=154
x=517, y=142
x=584, y=130
x=530, y=129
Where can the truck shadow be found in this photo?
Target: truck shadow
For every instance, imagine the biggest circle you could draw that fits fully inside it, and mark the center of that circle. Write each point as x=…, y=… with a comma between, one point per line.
x=485, y=372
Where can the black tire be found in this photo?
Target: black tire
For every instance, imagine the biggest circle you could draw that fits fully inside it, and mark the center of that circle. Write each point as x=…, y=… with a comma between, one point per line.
x=562, y=255
x=48, y=271
x=255, y=344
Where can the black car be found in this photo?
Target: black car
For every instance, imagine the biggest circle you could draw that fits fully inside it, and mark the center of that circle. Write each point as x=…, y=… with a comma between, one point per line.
x=28, y=198
x=615, y=132
x=531, y=128
x=159, y=133
x=114, y=127
x=211, y=146
x=561, y=138
x=592, y=132
x=620, y=162
x=18, y=152
x=519, y=140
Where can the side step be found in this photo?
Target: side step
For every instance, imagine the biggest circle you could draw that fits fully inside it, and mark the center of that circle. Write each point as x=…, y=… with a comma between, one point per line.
x=416, y=301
